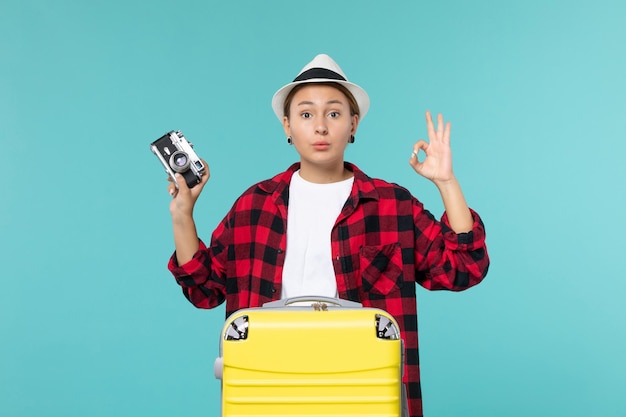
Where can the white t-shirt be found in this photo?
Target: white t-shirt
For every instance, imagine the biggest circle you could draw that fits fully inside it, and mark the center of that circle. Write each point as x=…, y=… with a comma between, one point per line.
x=312, y=212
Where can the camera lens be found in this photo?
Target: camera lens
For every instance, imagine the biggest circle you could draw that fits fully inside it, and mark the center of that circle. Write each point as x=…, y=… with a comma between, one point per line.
x=179, y=161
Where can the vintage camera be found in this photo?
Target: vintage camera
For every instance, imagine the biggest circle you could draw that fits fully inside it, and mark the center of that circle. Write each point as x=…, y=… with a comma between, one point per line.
x=177, y=156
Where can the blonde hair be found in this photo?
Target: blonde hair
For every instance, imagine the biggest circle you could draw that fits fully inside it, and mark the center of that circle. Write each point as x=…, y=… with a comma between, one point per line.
x=354, y=107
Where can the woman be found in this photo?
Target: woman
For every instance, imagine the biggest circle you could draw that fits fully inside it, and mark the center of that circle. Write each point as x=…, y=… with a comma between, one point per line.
x=323, y=227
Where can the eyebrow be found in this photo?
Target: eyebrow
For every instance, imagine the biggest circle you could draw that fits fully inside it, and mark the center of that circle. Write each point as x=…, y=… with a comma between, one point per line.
x=310, y=103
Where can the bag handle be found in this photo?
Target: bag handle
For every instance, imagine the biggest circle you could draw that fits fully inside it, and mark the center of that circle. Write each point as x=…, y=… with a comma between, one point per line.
x=338, y=302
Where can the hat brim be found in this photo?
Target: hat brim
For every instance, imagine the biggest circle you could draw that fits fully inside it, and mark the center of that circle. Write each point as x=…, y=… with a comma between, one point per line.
x=359, y=94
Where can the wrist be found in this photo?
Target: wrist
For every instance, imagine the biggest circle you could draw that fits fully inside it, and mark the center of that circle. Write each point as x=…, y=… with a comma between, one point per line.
x=180, y=218
x=446, y=184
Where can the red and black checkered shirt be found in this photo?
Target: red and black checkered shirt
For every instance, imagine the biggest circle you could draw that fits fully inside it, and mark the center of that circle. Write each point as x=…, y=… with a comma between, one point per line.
x=383, y=242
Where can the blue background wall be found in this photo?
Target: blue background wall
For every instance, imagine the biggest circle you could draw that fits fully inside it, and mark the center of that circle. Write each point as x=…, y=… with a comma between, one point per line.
x=91, y=322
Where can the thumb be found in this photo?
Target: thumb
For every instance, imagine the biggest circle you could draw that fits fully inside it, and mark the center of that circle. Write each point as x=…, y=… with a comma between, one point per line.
x=181, y=183
x=416, y=164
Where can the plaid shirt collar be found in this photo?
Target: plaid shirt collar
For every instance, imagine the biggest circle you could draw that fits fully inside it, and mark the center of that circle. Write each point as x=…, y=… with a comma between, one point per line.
x=363, y=188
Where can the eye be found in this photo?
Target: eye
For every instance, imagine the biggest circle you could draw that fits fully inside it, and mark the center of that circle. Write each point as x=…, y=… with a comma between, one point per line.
x=333, y=114
x=305, y=115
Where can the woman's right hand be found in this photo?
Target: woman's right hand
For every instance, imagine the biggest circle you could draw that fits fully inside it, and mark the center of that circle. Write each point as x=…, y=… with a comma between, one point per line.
x=184, y=198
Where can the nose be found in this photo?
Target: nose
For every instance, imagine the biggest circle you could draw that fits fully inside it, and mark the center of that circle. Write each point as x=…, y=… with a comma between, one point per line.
x=321, y=127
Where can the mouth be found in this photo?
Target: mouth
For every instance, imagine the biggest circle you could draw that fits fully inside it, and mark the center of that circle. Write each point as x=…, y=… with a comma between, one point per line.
x=320, y=145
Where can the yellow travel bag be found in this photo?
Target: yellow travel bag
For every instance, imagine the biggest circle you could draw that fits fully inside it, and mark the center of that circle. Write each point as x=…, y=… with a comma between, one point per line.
x=311, y=356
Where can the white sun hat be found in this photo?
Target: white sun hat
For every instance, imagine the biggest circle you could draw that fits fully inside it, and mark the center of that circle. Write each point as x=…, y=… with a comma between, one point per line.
x=321, y=70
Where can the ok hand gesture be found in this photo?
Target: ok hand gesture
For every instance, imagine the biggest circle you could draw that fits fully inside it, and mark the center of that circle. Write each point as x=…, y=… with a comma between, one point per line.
x=437, y=166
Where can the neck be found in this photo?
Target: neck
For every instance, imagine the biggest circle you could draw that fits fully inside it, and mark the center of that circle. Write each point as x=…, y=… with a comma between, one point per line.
x=324, y=175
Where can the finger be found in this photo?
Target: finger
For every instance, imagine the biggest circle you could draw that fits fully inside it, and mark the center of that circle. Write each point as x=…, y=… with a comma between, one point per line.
x=446, y=133
x=171, y=189
x=440, y=126
x=207, y=172
x=197, y=189
x=205, y=177
x=429, y=125
x=416, y=164
x=414, y=159
x=419, y=145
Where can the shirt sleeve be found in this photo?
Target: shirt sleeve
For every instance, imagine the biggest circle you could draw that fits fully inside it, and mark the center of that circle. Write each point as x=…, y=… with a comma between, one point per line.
x=202, y=278
x=446, y=260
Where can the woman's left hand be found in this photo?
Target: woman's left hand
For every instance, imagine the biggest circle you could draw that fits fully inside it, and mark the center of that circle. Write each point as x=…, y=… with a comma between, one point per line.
x=437, y=166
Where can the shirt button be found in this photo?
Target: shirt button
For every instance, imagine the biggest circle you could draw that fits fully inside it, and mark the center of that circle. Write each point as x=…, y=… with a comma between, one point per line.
x=273, y=289
x=279, y=251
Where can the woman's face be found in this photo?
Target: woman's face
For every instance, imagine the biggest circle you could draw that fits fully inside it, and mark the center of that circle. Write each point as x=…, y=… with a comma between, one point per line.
x=320, y=125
